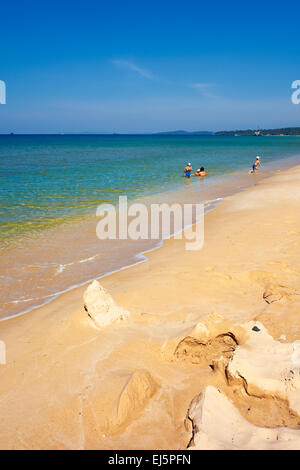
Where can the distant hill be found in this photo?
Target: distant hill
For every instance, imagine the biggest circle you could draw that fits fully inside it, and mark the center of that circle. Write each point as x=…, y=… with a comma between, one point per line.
x=180, y=132
x=254, y=132
x=263, y=132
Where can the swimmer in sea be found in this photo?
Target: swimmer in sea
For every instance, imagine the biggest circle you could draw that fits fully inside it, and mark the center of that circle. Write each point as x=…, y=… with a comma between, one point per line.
x=255, y=165
x=188, y=170
x=201, y=172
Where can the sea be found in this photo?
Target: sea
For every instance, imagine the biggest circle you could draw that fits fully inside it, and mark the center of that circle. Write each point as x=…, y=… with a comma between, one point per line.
x=51, y=186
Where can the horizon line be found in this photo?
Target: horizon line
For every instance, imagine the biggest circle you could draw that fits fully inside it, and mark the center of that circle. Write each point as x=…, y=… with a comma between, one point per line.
x=177, y=132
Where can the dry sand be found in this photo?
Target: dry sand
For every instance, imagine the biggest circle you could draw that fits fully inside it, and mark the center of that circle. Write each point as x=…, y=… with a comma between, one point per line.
x=68, y=384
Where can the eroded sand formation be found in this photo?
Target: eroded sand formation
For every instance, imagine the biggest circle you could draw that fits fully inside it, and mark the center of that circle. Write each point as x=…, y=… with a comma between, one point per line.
x=255, y=387
x=217, y=424
x=259, y=375
x=208, y=342
x=137, y=392
x=101, y=307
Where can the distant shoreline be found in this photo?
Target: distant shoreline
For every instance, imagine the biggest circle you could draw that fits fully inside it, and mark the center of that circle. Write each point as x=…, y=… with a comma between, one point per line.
x=277, y=132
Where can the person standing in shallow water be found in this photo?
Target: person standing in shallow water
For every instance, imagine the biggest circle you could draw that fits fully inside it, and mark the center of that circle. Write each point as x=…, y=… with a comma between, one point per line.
x=255, y=165
x=188, y=170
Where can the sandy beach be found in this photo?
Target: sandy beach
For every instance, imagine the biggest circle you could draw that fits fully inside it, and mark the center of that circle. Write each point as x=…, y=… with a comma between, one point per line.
x=69, y=384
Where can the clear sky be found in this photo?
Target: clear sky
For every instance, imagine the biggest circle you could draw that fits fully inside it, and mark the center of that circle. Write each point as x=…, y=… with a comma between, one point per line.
x=144, y=66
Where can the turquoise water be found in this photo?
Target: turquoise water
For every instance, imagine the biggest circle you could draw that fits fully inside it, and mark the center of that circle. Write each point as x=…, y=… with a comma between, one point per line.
x=47, y=180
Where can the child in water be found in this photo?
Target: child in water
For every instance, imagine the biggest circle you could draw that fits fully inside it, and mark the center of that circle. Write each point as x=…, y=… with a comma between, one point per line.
x=255, y=165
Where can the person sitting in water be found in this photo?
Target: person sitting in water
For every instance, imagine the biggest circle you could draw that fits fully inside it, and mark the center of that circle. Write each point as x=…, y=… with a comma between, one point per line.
x=200, y=172
x=188, y=170
x=255, y=165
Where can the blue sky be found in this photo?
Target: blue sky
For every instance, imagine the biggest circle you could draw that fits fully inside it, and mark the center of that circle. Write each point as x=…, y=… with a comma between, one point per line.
x=141, y=66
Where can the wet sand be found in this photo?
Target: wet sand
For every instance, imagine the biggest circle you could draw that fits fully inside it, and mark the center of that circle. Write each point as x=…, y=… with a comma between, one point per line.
x=69, y=385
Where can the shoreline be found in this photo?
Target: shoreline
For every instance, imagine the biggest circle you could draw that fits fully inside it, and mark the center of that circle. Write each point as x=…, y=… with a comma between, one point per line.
x=139, y=256
x=64, y=378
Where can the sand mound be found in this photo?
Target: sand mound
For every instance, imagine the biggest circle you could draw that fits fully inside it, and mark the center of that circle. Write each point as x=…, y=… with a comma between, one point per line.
x=109, y=411
x=209, y=343
x=217, y=424
x=249, y=356
x=261, y=377
x=101, y=307
x=279, y=293
x=192, y=350
x=137, y=392
x=267, y=367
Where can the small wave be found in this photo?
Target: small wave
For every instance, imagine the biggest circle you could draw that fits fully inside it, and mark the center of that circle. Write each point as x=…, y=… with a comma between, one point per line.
x=59, y=267
x=19, y=301
x=87, y=259
x=62, y=267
